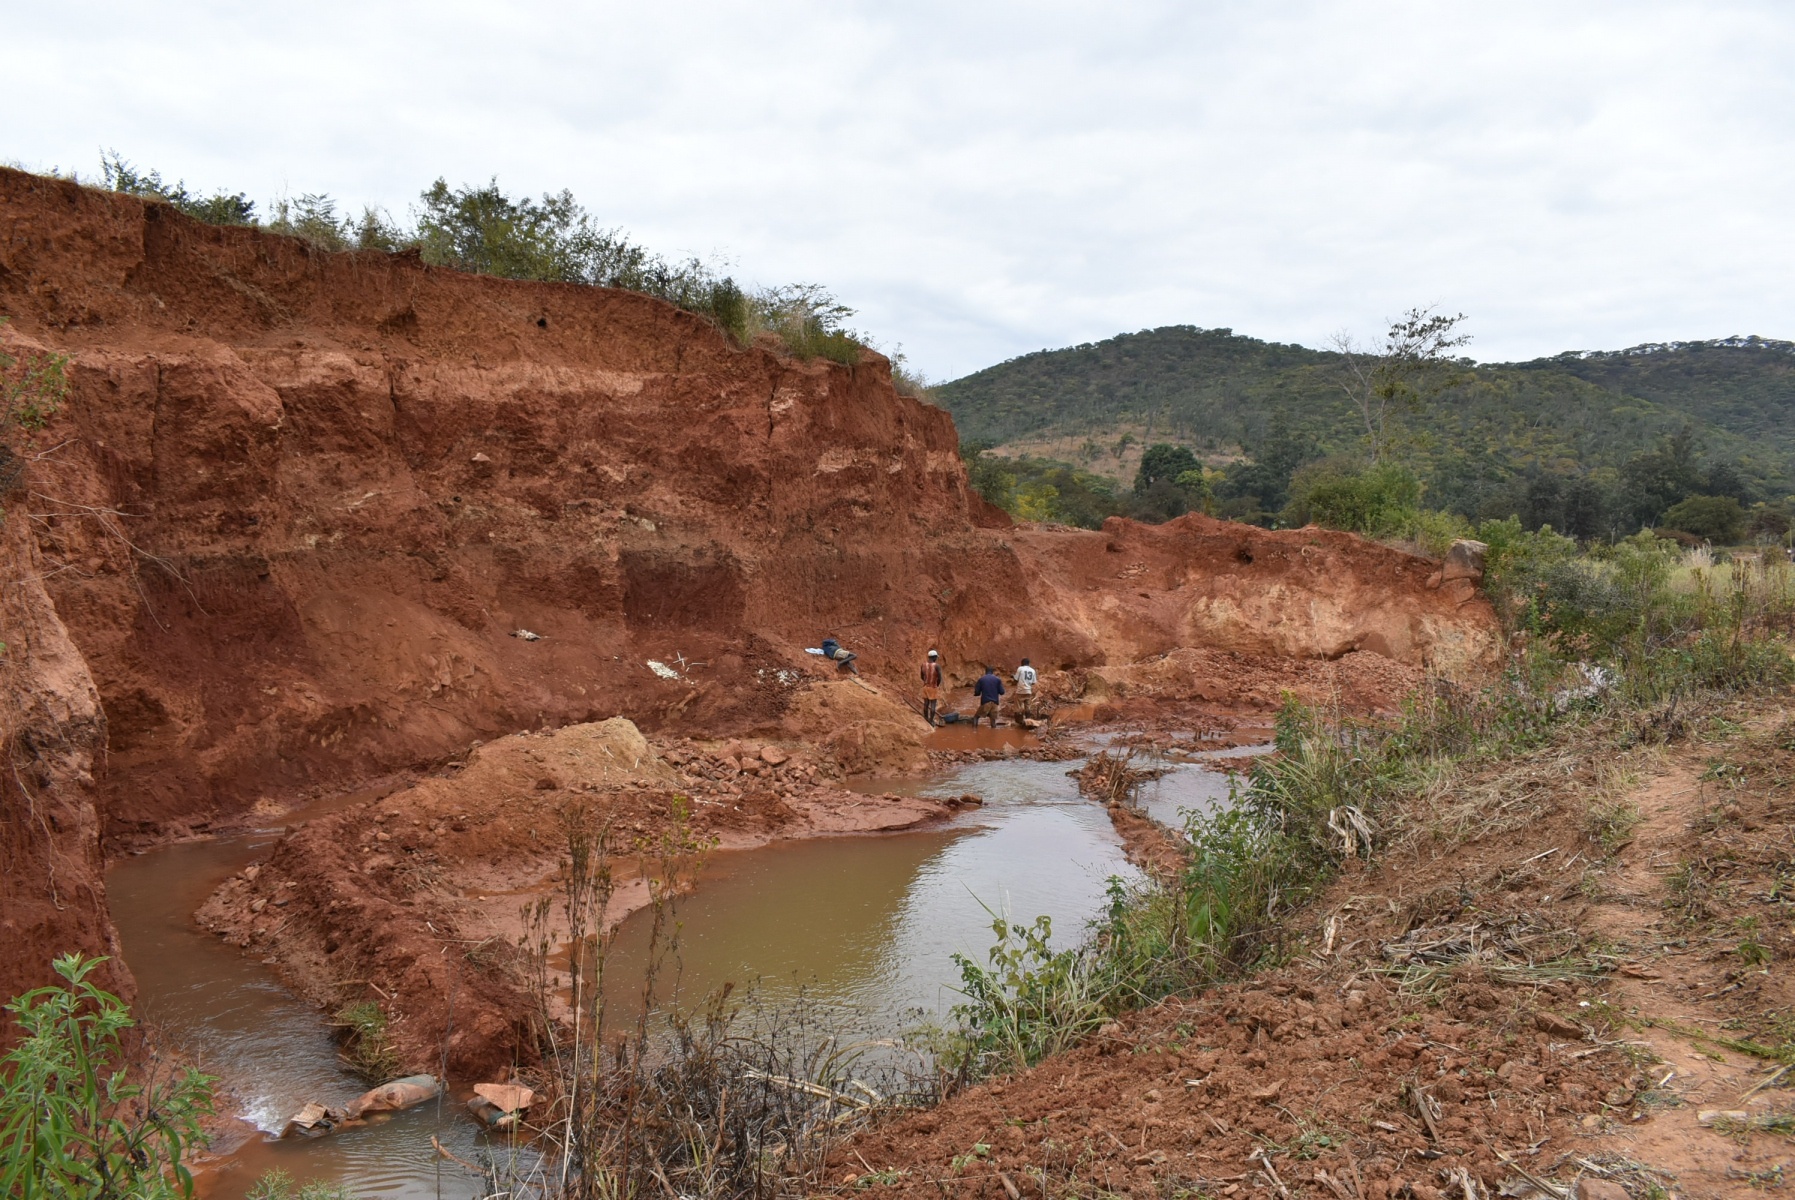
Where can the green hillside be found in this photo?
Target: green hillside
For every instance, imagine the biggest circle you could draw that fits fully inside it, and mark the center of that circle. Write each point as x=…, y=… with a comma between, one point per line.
x=1630, y=432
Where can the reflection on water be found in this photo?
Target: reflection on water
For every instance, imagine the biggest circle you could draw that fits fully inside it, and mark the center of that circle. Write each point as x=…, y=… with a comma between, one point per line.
x=866, y=925
x=271, y=1051
x=1187, y=787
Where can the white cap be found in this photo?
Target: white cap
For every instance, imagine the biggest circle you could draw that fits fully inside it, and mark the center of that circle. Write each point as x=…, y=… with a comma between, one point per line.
x=933, y=654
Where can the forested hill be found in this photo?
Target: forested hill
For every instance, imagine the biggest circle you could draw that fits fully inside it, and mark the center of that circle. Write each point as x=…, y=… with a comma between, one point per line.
x=1564, y=417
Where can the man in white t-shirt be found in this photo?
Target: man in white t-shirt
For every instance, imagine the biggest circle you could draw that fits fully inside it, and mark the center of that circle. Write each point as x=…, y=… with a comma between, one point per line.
x=1025, y=688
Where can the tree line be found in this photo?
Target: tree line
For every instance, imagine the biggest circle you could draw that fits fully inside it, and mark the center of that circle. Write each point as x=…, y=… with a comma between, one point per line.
x=1366, y=437
x=484, y=230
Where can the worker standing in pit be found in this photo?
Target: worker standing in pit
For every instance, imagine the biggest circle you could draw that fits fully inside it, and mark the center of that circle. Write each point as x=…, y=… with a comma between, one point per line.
x=989, y=690
x=1025, y=689
x=931, y=686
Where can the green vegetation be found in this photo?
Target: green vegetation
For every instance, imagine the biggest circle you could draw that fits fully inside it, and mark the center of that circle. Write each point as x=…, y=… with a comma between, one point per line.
x=480, y=229
x=1593, y=445
x=74, y=1122
x=32, y=389
x=276, y=1184
x=1614, y=642
x=366, y=1048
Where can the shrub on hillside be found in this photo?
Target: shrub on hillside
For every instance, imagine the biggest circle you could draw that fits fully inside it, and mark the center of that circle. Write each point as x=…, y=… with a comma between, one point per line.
x=554, y=239
x=1342, y=494
x=1718, y=519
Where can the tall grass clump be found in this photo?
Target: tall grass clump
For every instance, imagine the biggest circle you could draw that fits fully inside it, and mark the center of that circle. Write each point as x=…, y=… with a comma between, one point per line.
x=74, y=1120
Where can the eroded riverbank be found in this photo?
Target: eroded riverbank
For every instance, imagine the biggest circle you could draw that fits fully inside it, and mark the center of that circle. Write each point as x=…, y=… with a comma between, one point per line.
x=864, y=926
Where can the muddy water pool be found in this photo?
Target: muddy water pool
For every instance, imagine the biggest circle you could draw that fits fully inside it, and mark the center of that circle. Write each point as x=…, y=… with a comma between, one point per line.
x=865, y=926
x=271, y=1051
x=1193, y=782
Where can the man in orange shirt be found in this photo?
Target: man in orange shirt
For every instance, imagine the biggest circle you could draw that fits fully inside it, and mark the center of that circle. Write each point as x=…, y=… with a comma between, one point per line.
x=931, y=686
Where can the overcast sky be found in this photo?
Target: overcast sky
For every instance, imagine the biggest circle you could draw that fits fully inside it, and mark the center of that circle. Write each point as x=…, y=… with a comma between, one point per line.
x=984, y=179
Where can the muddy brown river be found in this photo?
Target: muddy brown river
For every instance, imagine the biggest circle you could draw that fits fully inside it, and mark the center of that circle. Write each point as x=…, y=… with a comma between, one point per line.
x=866, y=927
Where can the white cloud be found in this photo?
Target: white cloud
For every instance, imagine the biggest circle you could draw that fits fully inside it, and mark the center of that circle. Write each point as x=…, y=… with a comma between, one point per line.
x=985, y=179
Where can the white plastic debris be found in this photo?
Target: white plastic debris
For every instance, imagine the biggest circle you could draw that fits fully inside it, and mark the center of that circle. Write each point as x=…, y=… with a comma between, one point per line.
x=527, y=636
x=662, y=669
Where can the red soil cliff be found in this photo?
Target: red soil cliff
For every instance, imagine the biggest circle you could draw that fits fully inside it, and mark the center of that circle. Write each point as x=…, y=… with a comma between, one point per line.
x=298, y=502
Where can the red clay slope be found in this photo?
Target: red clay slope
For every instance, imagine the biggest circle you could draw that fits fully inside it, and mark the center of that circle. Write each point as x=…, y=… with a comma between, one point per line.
x=298, y=501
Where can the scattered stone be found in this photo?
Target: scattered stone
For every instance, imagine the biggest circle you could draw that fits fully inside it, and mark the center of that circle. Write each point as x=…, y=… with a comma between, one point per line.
x=250, y=872
x=1464, y=561
x=314, y=1120
x=1557, y=1026
x=1600, y=1189
x=1707, y=1118
x=500, y=1105
x=773, y=756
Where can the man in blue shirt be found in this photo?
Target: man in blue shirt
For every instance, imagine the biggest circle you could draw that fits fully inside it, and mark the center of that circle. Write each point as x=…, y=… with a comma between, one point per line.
x=989, y=690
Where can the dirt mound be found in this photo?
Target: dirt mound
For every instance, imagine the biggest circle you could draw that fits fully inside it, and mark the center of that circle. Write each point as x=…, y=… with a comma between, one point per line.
x=1325, y=1076
x=864, y=729
x=1230, y=681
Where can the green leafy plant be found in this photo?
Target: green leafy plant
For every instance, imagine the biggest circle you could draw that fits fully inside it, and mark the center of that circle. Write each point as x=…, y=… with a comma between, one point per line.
x=74, y=1120
x=1028, y=1000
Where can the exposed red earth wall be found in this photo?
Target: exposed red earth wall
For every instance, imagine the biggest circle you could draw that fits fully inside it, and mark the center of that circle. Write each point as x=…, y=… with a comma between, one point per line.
x=297, y=502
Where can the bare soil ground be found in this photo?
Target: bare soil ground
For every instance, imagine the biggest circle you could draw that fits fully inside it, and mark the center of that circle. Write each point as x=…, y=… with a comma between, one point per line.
x=1562, y=963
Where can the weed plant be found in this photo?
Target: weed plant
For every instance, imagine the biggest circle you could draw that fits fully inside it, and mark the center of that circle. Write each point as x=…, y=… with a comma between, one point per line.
x=32, y=389
x=366, y=1048
x=74, y=1122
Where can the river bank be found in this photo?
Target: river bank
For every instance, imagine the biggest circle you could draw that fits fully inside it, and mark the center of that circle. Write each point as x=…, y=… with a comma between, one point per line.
x=854, y=893
x=1565, y=974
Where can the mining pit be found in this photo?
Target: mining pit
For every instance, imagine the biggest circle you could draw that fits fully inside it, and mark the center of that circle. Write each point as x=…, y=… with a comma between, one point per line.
x=340, y=581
